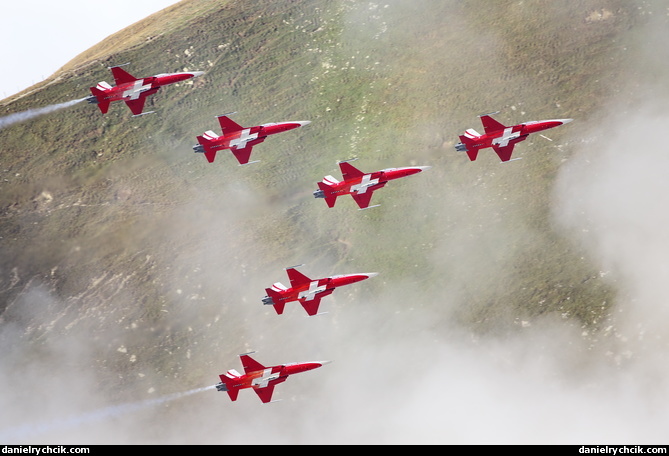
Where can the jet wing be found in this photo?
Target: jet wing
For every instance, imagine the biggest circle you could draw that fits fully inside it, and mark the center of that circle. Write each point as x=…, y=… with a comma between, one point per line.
x=265, y=394
x=121, y=76
x=243, y=155
x=490, y=124
x=233, y=393
x=349, y=171
x=297, y=278
x=363, y=199
x=504, y=152
x=311, y=306
x=228, y=125
x=136, y=106
x=250, y=364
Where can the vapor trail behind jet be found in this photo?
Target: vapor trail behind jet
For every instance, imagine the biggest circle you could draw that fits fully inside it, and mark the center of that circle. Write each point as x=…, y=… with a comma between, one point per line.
x=19, y=433
x=17, y=117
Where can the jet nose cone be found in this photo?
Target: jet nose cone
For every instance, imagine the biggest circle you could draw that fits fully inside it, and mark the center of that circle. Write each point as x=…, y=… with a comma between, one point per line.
x=565, y=121
x=303, y=122
x=423, y=168
x=371, y=274
x=197, y=73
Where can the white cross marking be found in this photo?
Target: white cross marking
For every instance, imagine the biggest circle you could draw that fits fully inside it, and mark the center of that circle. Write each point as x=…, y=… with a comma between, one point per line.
x=364, y=184
x=507, y=136
x=312, y=291
x=136, y=89
x=266, y=377
x=240, y=142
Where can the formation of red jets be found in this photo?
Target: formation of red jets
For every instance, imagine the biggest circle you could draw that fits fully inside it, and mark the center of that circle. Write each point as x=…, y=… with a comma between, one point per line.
x=360, y=185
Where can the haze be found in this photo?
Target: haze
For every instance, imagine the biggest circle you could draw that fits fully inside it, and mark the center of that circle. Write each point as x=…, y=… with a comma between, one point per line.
x=404, y=370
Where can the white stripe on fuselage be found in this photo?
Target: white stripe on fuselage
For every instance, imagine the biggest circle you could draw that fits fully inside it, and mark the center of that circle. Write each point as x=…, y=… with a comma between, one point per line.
x=136, y=89
x=245, y=137
x=364, y=184
x=312, y=291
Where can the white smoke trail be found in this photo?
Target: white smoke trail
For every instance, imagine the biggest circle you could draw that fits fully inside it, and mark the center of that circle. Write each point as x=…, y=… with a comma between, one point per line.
x=17, y=117
x=30, y=430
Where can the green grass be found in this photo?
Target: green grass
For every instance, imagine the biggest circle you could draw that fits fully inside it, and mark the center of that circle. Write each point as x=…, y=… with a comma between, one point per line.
x=393, y=87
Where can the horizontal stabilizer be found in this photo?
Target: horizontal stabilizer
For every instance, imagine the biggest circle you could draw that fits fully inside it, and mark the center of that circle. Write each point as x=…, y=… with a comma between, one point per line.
x=468, y=144
x=101, y=100
x=233, y=393
x=210, y=156
x=275, y=299
x=328, y=194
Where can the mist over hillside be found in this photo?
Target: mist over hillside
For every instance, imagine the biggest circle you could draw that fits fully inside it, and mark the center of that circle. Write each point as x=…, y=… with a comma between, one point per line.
x=515, y=303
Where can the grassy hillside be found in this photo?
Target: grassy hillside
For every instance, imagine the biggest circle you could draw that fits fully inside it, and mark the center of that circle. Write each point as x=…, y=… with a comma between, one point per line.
x=110, y=225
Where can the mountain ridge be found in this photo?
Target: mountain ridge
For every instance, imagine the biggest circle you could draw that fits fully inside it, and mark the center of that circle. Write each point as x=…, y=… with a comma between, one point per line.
x=114, y=232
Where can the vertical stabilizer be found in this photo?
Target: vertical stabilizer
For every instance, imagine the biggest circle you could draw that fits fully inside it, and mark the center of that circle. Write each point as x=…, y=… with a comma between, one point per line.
x=101, y=99
x=468, y=145
x=328, y=192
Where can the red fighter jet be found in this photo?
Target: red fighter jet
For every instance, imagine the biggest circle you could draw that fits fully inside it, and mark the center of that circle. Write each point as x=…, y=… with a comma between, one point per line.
x=307, y=291
x=360, y=185
x=133, y=90
x=262, y=379
x=501, y=138
x=238, y=139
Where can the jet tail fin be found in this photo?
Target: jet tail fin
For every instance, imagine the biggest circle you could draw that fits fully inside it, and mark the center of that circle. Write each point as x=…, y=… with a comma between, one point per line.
x=228, y=383
x=209, y=153
x=100, y=100
x=467, y=144
x=328, y=193
x=276, y=301
x=233, y=393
